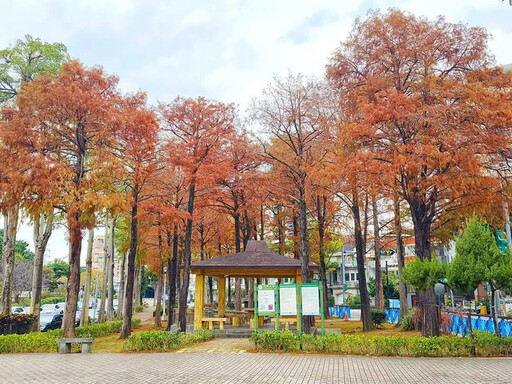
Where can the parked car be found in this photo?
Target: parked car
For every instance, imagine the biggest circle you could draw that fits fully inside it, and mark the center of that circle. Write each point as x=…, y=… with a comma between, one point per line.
x=49, y=308
x=49, y=321
x=60, y=307
x=26, y=310
x=16, y=309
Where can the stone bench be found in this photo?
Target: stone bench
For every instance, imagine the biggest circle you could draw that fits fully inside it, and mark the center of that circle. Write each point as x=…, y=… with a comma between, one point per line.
x=65, y=344
x=212, y=320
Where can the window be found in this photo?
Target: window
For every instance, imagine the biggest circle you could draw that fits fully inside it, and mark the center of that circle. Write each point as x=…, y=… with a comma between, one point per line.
x=347, y=276
x=335, y=276
x=100, y=259
x=352, y=276
x=357, y=276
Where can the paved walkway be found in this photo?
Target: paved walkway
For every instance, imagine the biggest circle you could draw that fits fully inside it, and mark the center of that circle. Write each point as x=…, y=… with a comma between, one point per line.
x=205, y=367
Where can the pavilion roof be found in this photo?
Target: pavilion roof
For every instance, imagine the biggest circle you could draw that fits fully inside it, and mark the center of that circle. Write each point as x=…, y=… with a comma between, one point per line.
x=256, y=257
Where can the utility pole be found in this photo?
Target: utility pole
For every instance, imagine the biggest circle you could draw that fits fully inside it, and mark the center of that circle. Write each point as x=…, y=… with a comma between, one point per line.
x=343, y=275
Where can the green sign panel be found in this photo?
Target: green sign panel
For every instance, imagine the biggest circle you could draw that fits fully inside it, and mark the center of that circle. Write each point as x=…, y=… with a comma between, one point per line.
x=266, y=300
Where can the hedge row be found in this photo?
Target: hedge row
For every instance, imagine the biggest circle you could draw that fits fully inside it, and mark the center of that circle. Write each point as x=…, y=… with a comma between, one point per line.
x=164, y=340
x=484, y=343
x=47, y=341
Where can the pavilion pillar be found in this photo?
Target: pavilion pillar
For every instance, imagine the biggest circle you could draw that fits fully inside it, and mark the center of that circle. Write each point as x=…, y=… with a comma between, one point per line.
x=199, y=301
x=221, y=291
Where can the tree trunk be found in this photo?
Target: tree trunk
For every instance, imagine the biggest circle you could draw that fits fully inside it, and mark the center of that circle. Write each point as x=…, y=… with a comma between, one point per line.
x=304, y=249
x=130, y=275
x=160, y=288
x=296, y=237
x=42, y=233
x=210, y=289
x=400, y=256
x=495, y=312
x=104, y=276
x=111, y=261
x=9, y=256
x=229, y=290
x=172, y=267
x=73, y=284
x=182, y=316
x=262, y=224
x=421, y=218
x=238, y=281
x=379, y=288
x=88, y=279
x=321, y=210
x=121, y=295
x=366, y=317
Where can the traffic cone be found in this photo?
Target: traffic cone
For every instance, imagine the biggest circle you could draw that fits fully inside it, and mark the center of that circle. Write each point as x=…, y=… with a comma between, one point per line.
x=346, y=316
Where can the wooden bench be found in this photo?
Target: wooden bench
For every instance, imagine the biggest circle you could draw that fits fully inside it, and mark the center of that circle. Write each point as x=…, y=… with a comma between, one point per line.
x=65, y=344
x=212, y=320
x=286, y=320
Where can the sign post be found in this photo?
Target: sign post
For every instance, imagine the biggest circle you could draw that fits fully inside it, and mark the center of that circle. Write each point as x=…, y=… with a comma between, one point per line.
x=299, y=305
x=256, y=307
x=321, y=290
x=277, y=306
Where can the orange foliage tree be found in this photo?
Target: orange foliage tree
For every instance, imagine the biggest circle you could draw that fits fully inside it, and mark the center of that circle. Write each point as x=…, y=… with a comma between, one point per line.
x=64, y=123
x=432, y=110
x=200, y=129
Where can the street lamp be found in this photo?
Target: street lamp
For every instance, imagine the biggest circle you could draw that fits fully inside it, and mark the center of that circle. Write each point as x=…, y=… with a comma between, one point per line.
x=165, y=273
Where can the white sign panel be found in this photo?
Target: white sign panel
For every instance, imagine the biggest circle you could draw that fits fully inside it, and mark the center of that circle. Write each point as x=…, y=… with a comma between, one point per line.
x=288, y=301
x=310, y=301
x=266, y=300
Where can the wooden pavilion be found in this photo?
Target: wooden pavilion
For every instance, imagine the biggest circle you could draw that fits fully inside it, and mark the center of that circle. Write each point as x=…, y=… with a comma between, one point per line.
x=255, y=262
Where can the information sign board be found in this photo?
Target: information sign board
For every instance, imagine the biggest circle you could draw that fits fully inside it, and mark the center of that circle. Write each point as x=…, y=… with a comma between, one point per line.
x=310, y=300
x=288, y=300
x=266, y=300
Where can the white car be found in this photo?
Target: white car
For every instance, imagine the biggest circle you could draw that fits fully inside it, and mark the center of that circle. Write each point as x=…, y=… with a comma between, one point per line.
x=16, y=309
x=49, y=308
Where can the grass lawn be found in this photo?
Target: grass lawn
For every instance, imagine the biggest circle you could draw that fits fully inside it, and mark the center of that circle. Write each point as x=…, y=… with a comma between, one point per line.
x=357, y=327
x=112, y=343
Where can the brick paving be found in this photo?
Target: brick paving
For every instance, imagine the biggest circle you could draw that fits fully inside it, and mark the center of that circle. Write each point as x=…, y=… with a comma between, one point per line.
x=236, y=367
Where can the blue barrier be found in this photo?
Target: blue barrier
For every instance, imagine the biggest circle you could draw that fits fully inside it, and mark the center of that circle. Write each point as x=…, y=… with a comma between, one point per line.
x=339, y=311
x=459, y=324
x=392, y=315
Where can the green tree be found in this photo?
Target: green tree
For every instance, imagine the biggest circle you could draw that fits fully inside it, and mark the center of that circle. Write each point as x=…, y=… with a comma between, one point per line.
x=25, y=60
x=477, y=260
x=22, y=248
x=54, y=272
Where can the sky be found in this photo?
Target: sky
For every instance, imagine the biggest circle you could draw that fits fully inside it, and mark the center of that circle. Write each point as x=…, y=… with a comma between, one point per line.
x=227, y=50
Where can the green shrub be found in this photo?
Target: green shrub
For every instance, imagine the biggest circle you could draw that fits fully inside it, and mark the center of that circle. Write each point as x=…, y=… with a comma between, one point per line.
x=103, y=329
x=23, y=302
x=165, y=340
x=53, y=300
x=330, y=300
x=354, y=302
x=486, y=344
x=47, y=341
x=378, y=317
x=407, y=322
x=275, y=341
x=139, y=308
